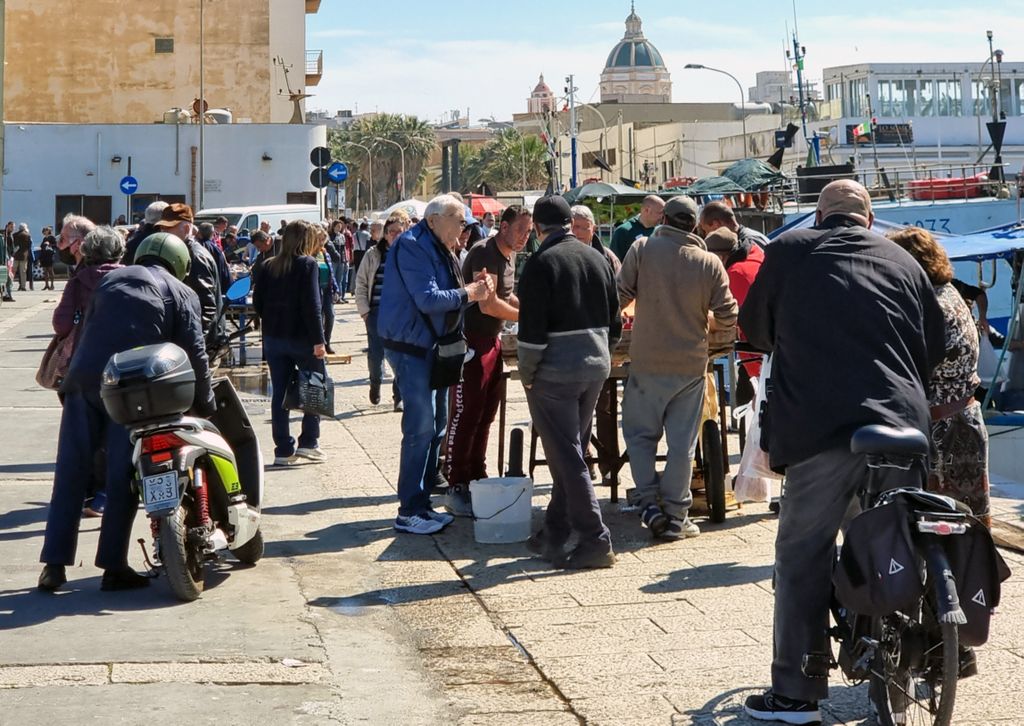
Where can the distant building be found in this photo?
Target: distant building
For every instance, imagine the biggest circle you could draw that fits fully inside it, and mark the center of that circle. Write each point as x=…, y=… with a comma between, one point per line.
x=542, y=99
x=110, y=61
x=772, y=87
x=635, y=71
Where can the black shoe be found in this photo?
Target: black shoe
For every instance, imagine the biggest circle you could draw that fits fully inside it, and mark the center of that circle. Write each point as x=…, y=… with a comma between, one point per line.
x=329, y=350
x=654, y=519
x=52, y=577
x=8, y=298
x=968, y=662
x=374, y=393
x=586, y=557
x=770, y=706
x=539, y=544
x=123, y=579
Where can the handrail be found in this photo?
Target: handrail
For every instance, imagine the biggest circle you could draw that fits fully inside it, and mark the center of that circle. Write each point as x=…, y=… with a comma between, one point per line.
x=314, y=62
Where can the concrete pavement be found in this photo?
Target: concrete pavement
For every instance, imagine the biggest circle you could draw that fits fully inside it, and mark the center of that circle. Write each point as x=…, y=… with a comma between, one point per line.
x=345, y=622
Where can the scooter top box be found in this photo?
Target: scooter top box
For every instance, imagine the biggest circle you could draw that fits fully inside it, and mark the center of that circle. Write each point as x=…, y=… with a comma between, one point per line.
x=147, y=383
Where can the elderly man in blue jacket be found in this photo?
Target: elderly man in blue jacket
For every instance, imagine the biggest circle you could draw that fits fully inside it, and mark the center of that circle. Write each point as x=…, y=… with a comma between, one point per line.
x=422, y=299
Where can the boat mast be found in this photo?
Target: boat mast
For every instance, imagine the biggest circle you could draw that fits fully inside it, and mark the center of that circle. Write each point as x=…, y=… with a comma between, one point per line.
x=798, y=61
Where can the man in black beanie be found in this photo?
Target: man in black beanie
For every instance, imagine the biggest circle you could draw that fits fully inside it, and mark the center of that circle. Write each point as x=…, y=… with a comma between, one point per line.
x=568, y=323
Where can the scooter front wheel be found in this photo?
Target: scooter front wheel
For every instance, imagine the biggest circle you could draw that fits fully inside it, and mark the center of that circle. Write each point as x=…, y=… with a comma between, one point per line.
x=182, y=559
x=252, y=551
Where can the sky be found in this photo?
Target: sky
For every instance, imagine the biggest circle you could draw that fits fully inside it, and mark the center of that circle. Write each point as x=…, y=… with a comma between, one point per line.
x=429, y=58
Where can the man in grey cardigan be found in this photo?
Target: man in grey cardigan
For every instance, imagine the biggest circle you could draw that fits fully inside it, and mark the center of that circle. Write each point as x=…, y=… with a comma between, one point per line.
x=682, y=293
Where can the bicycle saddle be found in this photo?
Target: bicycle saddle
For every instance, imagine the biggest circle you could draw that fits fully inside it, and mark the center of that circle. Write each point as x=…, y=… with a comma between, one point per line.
x=877, y=439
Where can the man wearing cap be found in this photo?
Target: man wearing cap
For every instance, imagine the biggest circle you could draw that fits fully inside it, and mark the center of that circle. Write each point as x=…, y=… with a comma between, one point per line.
x=568, y=322
x=715, y=215
x=202, y=277
x=855, y=330
x=642, y=225
x=148, y=227
x=681, y=293
x=742, y=266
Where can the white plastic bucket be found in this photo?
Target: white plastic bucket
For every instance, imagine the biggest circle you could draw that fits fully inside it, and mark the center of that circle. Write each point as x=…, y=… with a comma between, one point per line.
x=501, y=509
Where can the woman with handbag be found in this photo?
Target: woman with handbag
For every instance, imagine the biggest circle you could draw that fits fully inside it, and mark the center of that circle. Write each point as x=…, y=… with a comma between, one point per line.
x=100, y=254
x=286, y=295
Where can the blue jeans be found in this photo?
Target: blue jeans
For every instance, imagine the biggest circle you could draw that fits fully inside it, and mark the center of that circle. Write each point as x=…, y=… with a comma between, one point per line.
x=375, y=355
x=341, y=277
x=423, y=427
x=285, y=357
x=327, y=309
x=84, y=428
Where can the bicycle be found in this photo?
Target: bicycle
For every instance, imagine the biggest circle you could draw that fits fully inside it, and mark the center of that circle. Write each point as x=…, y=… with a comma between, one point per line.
x=910, y=655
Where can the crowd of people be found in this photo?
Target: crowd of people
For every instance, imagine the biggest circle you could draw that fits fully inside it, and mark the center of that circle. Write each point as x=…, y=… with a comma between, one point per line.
x=436, y=295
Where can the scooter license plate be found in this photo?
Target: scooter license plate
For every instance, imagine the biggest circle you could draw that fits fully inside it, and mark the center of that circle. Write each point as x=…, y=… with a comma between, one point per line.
x=160, y=491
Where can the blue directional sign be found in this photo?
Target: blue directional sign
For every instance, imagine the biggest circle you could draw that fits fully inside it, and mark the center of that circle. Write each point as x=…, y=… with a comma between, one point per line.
x=337, y=172
x=129, y=185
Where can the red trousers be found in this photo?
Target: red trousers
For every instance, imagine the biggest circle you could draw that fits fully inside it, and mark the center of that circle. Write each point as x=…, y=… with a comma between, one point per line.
x=472, y=408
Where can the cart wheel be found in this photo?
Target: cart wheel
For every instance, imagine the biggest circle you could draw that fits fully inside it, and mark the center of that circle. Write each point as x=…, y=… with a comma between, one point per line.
x=713, y=470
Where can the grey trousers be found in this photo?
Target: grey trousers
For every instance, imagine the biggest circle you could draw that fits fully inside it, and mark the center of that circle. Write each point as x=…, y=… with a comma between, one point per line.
x=656, y=406
x=820, y=494
x=562, y=414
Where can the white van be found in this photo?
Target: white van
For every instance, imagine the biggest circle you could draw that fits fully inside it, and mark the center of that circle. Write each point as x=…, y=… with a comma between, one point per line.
x=249, y=218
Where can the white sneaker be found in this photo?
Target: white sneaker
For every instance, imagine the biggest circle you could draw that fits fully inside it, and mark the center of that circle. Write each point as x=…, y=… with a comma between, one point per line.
x=415, y=524
x=443, y=517
x=311, y=454
x=284, y=461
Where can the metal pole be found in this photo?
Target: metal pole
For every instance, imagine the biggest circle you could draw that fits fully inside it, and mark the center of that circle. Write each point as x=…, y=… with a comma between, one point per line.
x=572, y=131
x=202, y=102
x=522, y=150
x=604, y=130
x=992, y=65
x=401, y=150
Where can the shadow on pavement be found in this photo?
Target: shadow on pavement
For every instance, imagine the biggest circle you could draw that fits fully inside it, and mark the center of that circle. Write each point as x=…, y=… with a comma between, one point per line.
x=725, y=574
x=323, y=505
x=34, y=468
x=27, y=607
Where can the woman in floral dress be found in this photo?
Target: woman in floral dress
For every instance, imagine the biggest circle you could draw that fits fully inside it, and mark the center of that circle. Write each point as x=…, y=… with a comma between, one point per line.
x=959, y=461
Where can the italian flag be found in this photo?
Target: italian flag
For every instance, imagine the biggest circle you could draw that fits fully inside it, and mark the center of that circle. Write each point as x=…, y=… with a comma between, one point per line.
x=862, y=130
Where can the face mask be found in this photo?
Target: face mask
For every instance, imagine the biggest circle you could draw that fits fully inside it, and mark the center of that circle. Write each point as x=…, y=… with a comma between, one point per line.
x=66, y=257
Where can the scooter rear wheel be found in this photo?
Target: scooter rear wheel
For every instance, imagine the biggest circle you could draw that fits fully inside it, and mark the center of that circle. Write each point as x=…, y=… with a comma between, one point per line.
x=182, y=560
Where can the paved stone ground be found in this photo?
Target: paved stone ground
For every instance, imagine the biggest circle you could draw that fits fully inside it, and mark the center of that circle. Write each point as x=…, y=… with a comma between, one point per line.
x=343, y=622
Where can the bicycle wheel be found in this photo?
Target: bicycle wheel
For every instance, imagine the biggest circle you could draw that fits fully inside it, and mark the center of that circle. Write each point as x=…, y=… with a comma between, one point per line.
x=915, y=669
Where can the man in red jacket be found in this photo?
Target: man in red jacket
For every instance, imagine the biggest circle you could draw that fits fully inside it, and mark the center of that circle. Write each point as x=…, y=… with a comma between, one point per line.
x=742, y=265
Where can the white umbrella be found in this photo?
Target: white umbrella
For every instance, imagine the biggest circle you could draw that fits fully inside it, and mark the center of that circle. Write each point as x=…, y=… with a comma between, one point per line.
x=412, y=207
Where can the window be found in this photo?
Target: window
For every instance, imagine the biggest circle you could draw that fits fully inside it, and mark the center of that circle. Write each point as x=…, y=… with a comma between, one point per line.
x=982, y=99
x=947, y=93
x=95, y=208
x=1018, y=97
x=855, y=98
x=250, y=223
x=164, y=45
x=925, y=98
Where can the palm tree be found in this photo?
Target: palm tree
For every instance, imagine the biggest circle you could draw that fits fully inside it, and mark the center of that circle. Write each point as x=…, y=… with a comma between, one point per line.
x=416, y=138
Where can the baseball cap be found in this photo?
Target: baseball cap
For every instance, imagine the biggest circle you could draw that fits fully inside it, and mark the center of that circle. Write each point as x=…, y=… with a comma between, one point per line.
x=681, y=206
x=722, y=239
x=175, y=214
x=845, y=197
x=552, y=210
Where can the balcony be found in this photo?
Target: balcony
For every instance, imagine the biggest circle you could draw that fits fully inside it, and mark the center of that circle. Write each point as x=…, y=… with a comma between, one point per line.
x=312, y=6
x=314, y=67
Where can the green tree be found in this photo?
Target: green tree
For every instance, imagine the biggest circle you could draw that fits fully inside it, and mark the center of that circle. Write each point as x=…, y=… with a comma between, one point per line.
x=416, y=138
x=502, y=163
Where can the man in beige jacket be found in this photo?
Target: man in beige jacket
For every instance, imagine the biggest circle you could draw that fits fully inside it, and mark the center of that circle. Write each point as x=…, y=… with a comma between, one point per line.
x=681, y=291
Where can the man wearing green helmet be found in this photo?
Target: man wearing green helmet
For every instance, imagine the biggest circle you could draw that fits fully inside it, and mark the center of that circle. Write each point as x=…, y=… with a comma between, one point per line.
x=141, y=304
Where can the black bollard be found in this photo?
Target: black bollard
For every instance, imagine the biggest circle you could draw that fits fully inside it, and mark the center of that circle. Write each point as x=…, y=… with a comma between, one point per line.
x=515, y=453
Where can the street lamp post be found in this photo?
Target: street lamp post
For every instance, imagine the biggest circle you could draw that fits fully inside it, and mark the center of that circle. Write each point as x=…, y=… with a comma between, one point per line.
x=369, y=164
x=604, y=130
x=401, y=150
x=202, y=102
x=743, y=100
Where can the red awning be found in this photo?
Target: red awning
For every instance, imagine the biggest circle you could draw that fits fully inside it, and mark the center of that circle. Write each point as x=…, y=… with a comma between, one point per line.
x=480, y=205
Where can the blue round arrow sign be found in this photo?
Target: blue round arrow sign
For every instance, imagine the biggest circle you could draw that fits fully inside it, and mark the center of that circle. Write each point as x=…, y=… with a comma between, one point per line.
x=129, y=185
x=337, y=172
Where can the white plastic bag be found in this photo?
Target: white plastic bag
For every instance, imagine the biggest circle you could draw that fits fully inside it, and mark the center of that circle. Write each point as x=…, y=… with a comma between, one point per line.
x=754, y=481
x=988, y=359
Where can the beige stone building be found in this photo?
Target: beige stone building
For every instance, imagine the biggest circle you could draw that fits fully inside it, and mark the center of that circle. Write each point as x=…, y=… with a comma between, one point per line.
x=131, y=61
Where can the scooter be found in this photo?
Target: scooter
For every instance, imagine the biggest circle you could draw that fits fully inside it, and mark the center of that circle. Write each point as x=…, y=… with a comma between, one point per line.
x=200, y=480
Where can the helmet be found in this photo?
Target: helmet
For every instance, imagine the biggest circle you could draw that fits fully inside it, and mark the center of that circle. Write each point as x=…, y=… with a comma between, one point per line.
x=169, y=250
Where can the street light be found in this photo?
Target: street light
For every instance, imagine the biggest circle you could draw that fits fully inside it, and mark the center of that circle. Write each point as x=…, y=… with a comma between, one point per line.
x=604, y=131
x=401, y=150
x=369, y=162
x=743, y=100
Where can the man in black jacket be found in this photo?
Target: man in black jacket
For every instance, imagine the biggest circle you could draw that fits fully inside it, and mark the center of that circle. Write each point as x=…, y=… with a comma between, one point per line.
x=568, y=323
x=137, y=305
x=203, y=277
x=855, y=330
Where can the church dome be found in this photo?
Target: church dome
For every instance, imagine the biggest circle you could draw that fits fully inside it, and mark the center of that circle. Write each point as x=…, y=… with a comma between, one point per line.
x=634, y=50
